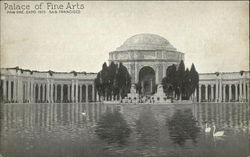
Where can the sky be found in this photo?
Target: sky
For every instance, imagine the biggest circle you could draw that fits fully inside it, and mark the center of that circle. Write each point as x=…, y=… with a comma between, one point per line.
x=213, y=35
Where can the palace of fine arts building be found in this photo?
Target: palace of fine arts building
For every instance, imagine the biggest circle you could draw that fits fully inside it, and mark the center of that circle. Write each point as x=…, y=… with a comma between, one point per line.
x=146, y=57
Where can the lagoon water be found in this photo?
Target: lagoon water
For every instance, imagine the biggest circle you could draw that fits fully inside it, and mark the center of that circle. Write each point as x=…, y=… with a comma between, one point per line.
x=61, y=130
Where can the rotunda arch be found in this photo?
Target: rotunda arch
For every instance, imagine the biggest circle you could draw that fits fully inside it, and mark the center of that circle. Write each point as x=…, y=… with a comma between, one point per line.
x=147, y=80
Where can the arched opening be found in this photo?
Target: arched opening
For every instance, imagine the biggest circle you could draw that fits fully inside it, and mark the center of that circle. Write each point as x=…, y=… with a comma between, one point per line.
x=238, y=91
x=83, y=93
x=147, y=80
x=209, y=93
x=58, y=94
x=203, y=96
x=233, y=92
x=213, y=92
x=65, y=93
x=1, y=91
x=79, y=93
x=12, y=91
x=36, y=92
x=45, y=93
x=41, y=93
x=227, y=93
x=247, y=93
x=90, y=93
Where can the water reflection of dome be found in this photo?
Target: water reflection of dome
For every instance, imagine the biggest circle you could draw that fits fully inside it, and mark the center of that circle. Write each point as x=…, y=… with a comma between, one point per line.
x=146, y=42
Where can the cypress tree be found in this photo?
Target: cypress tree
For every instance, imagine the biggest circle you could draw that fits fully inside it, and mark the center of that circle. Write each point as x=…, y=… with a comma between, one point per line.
x=194, y=79
x=104, y=76
x=181, y=82
x=180, y=79
x=187, y=85
x=169, y=82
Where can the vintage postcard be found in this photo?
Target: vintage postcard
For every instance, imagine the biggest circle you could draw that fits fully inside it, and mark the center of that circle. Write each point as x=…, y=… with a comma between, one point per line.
x=124, y=78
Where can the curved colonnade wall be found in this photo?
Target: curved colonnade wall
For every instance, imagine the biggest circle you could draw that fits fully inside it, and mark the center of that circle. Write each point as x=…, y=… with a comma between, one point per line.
x=41, y=87
x=224, y=87
x=26, y=86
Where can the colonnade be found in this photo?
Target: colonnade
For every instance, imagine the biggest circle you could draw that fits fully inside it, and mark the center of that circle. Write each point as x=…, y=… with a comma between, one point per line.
x=224, y=92
x=31, y=90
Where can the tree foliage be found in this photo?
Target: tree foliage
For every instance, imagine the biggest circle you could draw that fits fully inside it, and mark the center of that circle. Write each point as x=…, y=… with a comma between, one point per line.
x=180, y=82
x=113, y=80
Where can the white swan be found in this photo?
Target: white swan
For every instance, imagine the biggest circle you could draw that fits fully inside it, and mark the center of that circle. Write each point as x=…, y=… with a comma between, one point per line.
x=83, y=113
x=218, y=133
x=207, y=129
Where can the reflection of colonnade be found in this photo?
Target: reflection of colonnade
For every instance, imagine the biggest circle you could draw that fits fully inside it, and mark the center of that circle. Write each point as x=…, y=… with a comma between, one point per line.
x=27, y=86
x=47, y=116
x=224, y=87
x=231, y=115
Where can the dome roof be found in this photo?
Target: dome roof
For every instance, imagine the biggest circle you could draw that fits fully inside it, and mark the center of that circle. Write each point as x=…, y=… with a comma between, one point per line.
x=146, y=42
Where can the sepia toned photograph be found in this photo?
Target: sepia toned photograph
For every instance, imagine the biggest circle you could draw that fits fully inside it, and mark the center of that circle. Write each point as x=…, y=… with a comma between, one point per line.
x=124, y=79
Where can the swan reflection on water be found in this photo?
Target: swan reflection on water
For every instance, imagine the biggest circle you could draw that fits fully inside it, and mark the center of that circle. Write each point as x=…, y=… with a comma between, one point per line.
x=207, y=129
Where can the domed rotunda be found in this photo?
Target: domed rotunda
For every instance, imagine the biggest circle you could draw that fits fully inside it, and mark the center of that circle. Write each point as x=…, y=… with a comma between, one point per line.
x=146, y=57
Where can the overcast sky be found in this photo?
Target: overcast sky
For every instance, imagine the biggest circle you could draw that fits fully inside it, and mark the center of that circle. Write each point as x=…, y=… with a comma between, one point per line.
x=213, y=35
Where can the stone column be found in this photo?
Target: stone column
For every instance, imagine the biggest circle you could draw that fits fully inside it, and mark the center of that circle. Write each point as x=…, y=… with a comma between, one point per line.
x=20, y=90
x=76, y=90
x=220, y=95
x=47, y=91
x=4, y=89
x=72, y=91
x=52, y=92
x=230, y=92
x=236, y=92
x=212, y=92
x=28, y=90
x=98, y=97
x=224, y=92
x=199, y=92
x=80, y=93
x=61, y=93
x=25, y=90
x=14, y=89
x=206, y=92
x=244, y=90
x=217, y=91
x=93, y=92
x=248, y=95
x=43, y=85
x=55, y=92
x=9, y=90
x=87, y=93
x=151, y=85
x=157, y=75
x=163, y=71
x=39, y=92
x=136, y=73
x=195, y=95
x=68, y=92
x=240, y=98
x=32, y=91
x=142, y=87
